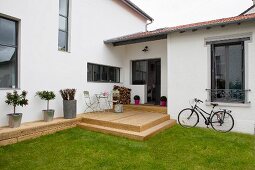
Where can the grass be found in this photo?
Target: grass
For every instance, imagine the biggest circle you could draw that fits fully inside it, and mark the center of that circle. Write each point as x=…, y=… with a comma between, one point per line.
x=176, y=148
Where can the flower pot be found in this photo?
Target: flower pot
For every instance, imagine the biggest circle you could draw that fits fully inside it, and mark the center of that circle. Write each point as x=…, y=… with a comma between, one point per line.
x=137, y=102
x=15, y=120
x=118, y=108
x=163, y=103
x=48, y=115
x=69, y=109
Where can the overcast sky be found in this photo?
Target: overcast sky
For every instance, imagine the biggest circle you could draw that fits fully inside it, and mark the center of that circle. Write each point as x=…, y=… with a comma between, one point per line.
x=176, y=12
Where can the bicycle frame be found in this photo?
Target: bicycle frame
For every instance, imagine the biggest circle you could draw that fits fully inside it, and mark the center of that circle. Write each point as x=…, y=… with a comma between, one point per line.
x=199, y=110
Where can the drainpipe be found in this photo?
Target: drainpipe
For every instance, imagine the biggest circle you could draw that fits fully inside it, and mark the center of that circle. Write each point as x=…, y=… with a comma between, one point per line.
x=146, y=26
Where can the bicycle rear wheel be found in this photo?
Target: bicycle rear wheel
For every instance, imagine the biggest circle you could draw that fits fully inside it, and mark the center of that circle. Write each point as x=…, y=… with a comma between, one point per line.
x=222, y=122
x=188, y=118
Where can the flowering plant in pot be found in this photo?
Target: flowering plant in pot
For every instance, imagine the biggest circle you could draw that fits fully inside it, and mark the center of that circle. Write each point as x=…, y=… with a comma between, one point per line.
x=137, y=99
x=163, y=101
x=69, y=103
x=15, y=100
x=47, y=95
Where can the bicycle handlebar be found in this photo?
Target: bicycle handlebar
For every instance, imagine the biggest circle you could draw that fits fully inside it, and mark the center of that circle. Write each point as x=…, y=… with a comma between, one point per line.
x=198, y=100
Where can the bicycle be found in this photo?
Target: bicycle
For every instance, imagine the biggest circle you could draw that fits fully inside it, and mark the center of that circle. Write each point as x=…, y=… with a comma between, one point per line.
x=220, y=120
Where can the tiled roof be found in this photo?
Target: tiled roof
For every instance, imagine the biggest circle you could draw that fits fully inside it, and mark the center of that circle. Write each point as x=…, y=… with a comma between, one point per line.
x=183, y=28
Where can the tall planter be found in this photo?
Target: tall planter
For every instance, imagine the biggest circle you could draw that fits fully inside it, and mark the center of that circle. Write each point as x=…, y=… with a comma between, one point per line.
x=69, y=109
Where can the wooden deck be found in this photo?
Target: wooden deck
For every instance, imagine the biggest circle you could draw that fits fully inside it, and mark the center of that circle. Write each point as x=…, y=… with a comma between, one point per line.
x=137, y=122
x=133, y=124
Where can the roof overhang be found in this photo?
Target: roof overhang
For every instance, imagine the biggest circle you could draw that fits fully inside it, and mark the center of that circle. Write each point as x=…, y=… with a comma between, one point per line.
x=137, y=9
x=162, y=33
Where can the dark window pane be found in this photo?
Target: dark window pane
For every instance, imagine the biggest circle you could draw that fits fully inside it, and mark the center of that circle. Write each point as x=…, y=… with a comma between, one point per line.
x=96, y=74
x=7, y=32
x=117, y=75
x=62, y=41
x=63, y=7
x=220, y=63
x=63, y=23
x=112, y=74
x=139, y=72
x=235, y=67
x=104, y=73
x=8, y=67
x=90, y=72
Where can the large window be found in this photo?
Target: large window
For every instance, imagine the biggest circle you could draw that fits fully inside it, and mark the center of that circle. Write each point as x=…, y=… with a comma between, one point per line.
x=8, y=53
x=228, y=84
x=63, y=25
x=101, y=73
x=139, y=72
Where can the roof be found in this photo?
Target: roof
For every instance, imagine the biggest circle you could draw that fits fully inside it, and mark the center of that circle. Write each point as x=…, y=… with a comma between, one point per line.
x=162, y=33
x=137, y=9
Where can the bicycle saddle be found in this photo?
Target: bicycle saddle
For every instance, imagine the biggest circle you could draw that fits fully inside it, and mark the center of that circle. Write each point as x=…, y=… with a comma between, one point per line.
x=214, y=104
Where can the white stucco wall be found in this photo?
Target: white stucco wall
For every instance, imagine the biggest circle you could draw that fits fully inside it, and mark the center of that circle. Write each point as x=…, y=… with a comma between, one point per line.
x=157, y=50
x=43, y=67
x=189, y=72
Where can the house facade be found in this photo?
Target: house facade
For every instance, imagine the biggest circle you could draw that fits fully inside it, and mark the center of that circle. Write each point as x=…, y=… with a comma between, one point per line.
x=47, y=45
x=51, y=45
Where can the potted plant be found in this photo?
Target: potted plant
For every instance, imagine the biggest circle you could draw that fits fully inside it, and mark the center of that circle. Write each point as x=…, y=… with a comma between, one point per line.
x=163, y=101
x=137, y=99
x=15, y=100
x=47, y=95
x=69, y=103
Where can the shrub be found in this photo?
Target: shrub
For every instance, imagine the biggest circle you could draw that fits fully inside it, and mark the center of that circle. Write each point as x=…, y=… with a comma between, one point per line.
x=68, y=94
x=136, y=97
x=16, y=99
x=46, y=95
x=163, y=98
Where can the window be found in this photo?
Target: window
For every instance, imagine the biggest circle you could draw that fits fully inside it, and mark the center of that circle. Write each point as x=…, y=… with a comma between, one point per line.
x=100, y=73
x=228, y=84
x=8, y=53
x=139, y=72
x=63, y=25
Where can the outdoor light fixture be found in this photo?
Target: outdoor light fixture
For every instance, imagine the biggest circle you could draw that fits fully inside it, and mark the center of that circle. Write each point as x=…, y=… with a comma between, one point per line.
x=146, y=49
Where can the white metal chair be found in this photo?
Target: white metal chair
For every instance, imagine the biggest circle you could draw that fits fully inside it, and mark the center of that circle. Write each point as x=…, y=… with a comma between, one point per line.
x=88, y=102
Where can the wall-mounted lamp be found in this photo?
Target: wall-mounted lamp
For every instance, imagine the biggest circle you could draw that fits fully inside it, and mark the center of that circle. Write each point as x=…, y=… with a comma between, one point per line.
x=146, y=49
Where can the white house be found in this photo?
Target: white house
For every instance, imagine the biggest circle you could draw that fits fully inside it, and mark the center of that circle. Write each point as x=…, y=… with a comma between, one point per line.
x=56, y=44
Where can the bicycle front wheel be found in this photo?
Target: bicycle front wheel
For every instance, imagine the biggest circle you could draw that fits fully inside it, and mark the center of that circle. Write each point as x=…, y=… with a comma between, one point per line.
x=222, y=121
x=188, y=118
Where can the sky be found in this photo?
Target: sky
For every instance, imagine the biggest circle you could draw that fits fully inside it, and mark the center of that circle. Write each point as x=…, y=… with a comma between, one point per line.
x=168, y=13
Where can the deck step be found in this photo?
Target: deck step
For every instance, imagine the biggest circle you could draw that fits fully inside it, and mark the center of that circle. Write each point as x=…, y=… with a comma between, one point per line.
x=129, y=134
x=126, y=122
x=146, y=108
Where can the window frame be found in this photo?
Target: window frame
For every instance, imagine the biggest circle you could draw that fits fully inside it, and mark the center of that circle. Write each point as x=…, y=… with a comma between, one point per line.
x=16, y=47
x=116, y=77
x=67, y=27
x=213, y=69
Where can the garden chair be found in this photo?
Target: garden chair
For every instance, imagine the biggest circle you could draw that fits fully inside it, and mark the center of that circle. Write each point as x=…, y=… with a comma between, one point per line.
x=88, y=101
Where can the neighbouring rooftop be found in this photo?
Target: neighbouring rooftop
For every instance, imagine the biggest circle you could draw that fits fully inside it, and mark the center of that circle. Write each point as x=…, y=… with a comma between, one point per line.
x=162, y=33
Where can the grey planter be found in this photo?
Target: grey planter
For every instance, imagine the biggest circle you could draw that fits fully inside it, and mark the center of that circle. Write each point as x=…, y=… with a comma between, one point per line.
x=15, y=120
x=69, y=109
x=48, y=115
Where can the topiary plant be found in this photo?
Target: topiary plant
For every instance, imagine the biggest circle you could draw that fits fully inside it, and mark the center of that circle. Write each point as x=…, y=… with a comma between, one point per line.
x=136, y=97
x=163, y=98
x=16, y=99
x=46, y=95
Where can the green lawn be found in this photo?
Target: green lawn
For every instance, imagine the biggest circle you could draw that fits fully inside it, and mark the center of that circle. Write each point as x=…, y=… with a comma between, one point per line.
x=176, y=148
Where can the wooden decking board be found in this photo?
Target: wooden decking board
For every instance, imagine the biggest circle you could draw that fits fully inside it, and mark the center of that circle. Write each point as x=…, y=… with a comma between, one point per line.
x=129, y=134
